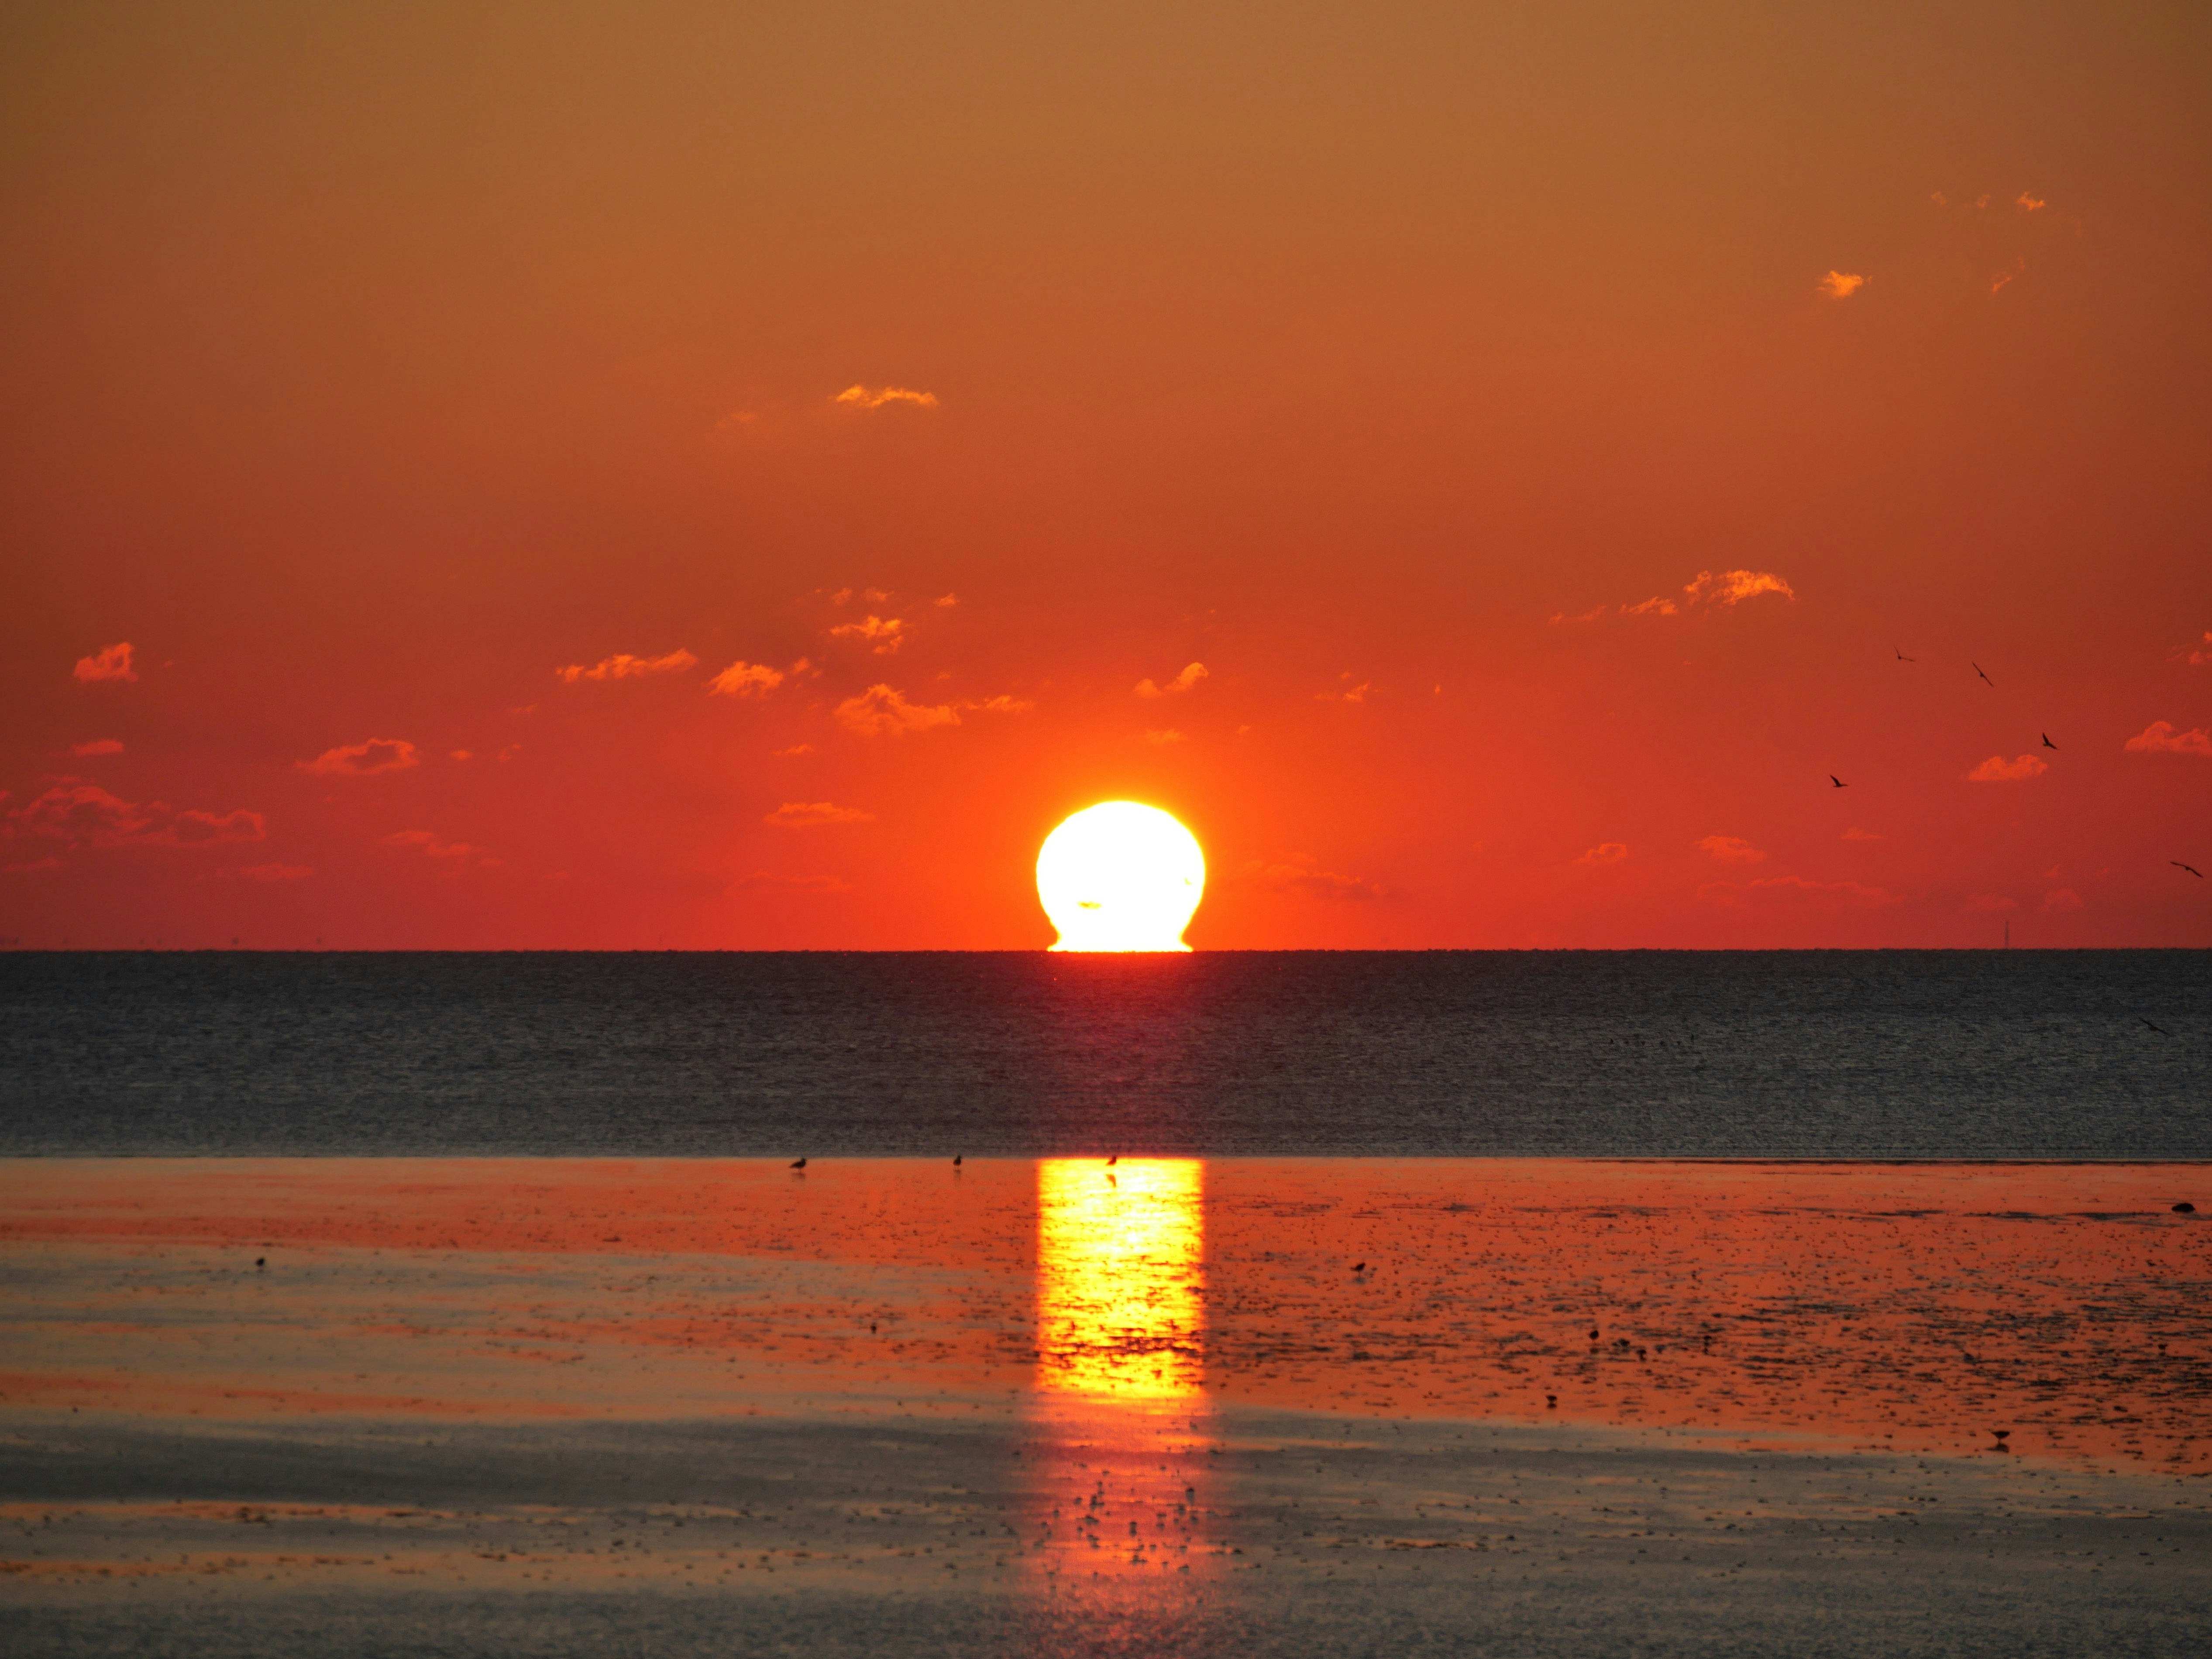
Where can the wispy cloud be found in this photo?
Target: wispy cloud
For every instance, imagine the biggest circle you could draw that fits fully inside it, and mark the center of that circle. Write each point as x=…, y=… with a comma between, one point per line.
x=1284, y=877
x=361, y=760
x=861, y=397
x=763, y=881
x=1732, y=849
x=1191, y=675
x=1591, y=615
x=77, y=811
x=1654, y=606
x=1165, y=735
x=886, y=634
x=431, y=844
x=97, y=747
x=1003, y=704
x=1796, y=892
x=945, y=601
x=1347, y=693
x=796, y=748
x=1605, y=852
x=278, y=872
x=882, y=712
x=623, y=666
x=1728, y=587
x=2027, y=202
x=814, y=814
x=1998, y=769
x=110, y=663
x=2199, y=658
x=745, y=679
x=1841, y=285
x=2160, y=737
x=2062, y=898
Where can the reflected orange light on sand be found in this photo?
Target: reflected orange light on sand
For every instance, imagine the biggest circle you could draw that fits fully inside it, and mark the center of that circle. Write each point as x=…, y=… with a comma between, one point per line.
x=1121, y=1277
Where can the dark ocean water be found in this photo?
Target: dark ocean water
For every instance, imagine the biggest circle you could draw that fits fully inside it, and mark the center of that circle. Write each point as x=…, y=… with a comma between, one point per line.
x=1821, y=1054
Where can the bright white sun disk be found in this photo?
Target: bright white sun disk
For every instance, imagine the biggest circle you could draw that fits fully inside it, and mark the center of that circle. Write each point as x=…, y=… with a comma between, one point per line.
x=1120, y=877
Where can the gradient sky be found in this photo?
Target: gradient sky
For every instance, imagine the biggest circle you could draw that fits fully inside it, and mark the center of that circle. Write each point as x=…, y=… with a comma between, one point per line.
x=937, y=380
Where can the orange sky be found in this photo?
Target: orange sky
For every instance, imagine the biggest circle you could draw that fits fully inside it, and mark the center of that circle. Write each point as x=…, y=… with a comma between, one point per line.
x=362, y=373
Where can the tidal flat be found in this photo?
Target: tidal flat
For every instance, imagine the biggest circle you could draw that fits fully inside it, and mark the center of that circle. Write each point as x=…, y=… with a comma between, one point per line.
x=1164, y=1405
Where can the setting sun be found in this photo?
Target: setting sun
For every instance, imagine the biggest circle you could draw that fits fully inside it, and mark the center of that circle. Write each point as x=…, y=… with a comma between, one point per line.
x=1120, y=877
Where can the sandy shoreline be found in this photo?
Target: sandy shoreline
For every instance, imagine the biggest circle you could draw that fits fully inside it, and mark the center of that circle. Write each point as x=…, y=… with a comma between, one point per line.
x=1287, y=1405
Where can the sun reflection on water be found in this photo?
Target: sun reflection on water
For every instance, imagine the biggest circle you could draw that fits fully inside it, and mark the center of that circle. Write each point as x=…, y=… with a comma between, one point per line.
x=1121, y=1277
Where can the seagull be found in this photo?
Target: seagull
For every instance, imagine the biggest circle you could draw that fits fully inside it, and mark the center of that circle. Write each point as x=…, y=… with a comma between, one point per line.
x=1838, y=781
x=956, y=1157
x=2192, y=868
x=2160, y=1030
x=799, y=1164
x=1986, y=680
x=1112, y=1161
x=1901, y=657
x=2047, y=742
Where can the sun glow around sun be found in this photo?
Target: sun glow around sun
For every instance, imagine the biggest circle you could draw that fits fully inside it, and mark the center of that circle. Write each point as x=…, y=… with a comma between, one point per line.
x=1120, y=877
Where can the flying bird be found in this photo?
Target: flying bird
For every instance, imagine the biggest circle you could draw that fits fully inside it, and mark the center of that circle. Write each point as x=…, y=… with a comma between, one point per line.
x=799, y=1164
x=956, y=1157
x=1986, y=680
x=2192, y=868
x=1901, y=657
x=1838, y=781
x=1112, y=1161
x=2047, y=742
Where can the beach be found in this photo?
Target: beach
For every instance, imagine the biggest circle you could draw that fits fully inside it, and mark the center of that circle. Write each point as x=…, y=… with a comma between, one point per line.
x=1164, y=1404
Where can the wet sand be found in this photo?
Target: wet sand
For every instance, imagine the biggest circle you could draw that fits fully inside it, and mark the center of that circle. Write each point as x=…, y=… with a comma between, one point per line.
x=516, y=1407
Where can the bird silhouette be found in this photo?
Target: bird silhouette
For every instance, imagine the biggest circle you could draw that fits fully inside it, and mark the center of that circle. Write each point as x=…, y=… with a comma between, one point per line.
x=1359, y=1267
x=1901, y=657
x=2047, y=742
x=1838, y=781
x=2154, y=1026
x=1986, y=680
x=799, y=1164
x=2192, y=868
x=1112, y=1161
x=956, y=1157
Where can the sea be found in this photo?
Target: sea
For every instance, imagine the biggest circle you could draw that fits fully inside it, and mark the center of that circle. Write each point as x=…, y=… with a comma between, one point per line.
x=1889, y=1054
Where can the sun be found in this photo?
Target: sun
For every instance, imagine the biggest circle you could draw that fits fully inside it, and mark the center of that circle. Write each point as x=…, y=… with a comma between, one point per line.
x=1120, y=877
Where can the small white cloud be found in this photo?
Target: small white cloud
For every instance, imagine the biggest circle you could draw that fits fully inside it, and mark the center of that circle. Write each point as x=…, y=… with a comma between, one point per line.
x=886, y=634
x=1841, y=285
x=623, y=666
x=1998, y=769
x=861, y=397
x=880, y=712
x=745, y=679
x=2160, y=737
x=1732, y=849
x=362, y=760
x=813, y=814
x=110, y=663
x=1191, y=675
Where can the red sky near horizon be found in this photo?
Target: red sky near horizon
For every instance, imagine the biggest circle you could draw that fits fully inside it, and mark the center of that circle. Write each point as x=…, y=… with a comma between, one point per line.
x=546, y=475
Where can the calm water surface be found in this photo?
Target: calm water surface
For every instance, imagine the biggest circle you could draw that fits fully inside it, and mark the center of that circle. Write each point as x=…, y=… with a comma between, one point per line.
x=1753, y=1054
